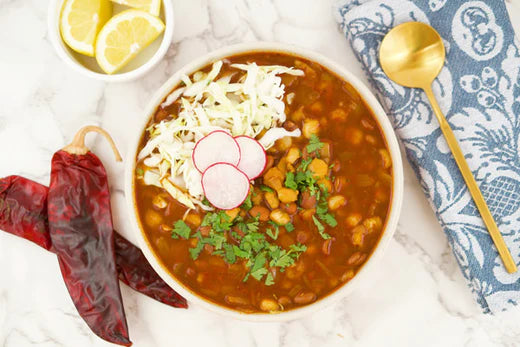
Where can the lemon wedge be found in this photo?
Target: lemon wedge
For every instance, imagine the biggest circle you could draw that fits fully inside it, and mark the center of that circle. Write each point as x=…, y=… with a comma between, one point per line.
x=150, y=6
x=124, y=36
x=80, y=22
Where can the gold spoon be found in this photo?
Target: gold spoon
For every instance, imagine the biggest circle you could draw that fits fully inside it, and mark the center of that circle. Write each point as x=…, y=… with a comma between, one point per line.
x=412, y=54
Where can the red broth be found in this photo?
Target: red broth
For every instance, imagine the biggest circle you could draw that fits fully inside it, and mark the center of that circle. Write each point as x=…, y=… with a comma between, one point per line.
x=352, y=170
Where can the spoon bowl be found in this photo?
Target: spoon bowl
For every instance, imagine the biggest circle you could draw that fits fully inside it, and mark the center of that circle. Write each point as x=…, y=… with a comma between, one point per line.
x=412, y=54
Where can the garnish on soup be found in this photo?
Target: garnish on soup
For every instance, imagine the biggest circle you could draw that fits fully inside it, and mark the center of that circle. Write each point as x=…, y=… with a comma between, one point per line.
x=234, y=102
x=301, y=155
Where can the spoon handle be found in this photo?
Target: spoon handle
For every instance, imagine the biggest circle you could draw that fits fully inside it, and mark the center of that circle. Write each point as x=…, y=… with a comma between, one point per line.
x=473, y=188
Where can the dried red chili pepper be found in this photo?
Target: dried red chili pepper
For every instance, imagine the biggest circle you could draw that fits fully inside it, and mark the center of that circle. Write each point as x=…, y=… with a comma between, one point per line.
x=23, y=212
x=80, y=224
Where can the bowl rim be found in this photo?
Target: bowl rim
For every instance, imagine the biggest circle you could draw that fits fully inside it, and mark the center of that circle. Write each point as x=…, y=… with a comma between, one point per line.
x=388, y=132
x=53, y=28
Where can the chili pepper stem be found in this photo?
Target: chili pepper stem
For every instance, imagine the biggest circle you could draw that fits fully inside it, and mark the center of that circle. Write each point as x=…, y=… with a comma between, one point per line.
x=77, y=146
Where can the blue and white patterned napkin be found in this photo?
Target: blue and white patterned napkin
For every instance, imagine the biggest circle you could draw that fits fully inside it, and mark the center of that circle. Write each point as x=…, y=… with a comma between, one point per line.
x=479, y=92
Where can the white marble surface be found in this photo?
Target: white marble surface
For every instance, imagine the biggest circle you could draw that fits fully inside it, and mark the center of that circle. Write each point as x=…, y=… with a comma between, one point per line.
x=417, y=298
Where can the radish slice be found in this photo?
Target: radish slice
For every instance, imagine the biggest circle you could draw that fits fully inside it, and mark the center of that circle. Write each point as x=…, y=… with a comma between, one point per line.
x=216, y=147
x=225, y=186
x=252, y=156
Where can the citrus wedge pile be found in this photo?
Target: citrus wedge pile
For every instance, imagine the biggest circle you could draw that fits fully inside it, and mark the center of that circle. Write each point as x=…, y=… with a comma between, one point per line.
x=87, y=27
x=81, y=21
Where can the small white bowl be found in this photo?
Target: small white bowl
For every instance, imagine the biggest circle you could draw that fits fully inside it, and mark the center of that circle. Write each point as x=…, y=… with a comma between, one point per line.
x=397, y=193
x=143, y=63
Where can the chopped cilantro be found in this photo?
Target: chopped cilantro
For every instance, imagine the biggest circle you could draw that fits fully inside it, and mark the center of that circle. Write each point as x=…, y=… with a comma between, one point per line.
x=219, y=221
x=314, y=144
x=273, y=232
x=240, y=253
x=298, y=248
x=230, y=255
x=290, y=182
x=247, y=204
x=322, y=208
x=216, y=240
x=284, y=260
x=304, y=164
x=305, y=180
x=181, y=229
x=329, y=219
x=266, y=188
x=321, y=228
x=195, y=251
x=206, y=202
x=324, y=190
x=258, y=269
x=139, y=171
x=269, y=279
x=289, y=227
x=253, y=226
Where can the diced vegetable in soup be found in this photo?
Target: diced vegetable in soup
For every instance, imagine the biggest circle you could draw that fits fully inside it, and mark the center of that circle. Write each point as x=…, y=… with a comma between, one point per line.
x=310, y=220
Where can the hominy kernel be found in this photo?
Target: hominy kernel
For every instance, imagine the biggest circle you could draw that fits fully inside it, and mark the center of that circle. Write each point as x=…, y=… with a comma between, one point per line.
x=292, y=155
x=194, y=219
x=386, y=160
x=319, y=168
x=354, y=136
x=339, y=115
x=373, y=224
x=272, y=200
x=310, y=127
x=269, y=305
x=353, y=219
x=287, y=195
x=280, y=217
x=336, y=201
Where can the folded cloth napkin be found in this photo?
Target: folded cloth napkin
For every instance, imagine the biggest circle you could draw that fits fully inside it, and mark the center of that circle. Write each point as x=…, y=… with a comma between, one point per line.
x=479, y=92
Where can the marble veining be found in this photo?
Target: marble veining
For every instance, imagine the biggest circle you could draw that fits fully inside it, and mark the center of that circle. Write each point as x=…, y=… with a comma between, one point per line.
x=416, y=298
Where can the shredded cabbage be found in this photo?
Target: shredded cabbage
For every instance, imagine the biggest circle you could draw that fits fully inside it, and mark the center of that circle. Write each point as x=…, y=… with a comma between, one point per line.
x=252, y=105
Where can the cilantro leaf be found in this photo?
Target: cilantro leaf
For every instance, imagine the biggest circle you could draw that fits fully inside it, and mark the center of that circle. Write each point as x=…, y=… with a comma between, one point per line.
x=273, y=233
x=219, y=221
x=298, y=248
x=181, y=229
x=329, y=219
x=258, y=269
x=229, y=254
x=321, y=228
x=265, y=188
x=304, y=164
x=290, y=182
x=324, y=190
x=217, y=240
x=247, y=204
x=314, y=144
x=253, y=226
x=240, y=253
x=322, y=208
x=195, y=251
x=269, y=279
x=284, y=260
x=289, y=227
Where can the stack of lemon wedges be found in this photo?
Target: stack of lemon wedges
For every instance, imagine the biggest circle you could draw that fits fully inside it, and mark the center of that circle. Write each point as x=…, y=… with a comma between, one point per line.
x=88, y=27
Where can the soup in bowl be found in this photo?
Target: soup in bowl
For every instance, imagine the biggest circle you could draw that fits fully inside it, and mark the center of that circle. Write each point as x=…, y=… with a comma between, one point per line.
x=265, y=182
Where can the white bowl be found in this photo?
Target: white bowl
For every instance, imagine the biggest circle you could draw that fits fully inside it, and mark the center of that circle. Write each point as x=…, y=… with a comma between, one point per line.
x=143, y=63
x=397, y=193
